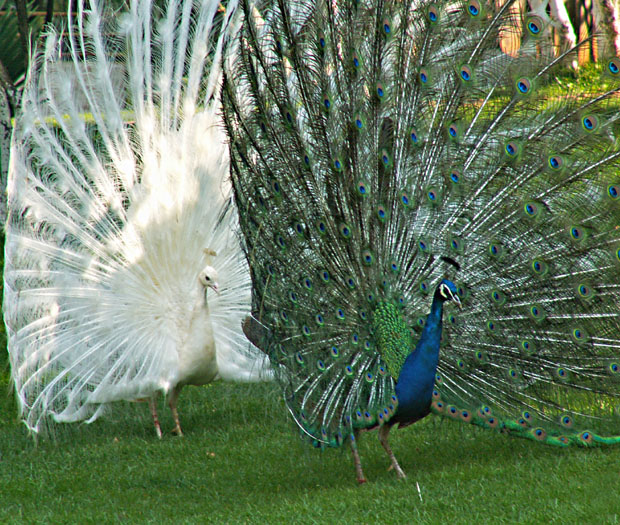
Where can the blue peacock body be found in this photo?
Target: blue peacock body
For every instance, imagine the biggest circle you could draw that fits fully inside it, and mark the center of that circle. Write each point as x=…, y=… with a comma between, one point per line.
x=389, y=156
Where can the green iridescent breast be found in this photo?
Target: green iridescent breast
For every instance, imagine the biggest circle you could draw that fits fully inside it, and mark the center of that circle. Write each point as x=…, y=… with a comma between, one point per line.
x=392, y=335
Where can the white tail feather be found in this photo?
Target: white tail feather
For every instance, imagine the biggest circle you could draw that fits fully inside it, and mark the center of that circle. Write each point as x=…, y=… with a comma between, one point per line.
x=116, y=185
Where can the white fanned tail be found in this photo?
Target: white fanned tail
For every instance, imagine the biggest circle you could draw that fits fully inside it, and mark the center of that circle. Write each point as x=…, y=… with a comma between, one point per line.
x=117, y=200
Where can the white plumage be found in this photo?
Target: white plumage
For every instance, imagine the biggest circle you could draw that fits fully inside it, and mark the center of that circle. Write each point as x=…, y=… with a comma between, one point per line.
x=119, y=211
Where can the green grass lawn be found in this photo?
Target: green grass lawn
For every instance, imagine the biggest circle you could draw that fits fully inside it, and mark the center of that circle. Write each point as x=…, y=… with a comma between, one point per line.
x=241, y=461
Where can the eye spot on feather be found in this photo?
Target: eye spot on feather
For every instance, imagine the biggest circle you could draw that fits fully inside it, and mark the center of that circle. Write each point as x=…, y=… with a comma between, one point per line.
x=555, y=162
x=387, y=27
x=385, y=158
x=576, y=233
x=524, y=85
x=345, y=230
x=473, y=8
x=590, y=123
x=484, y=411
x=535, y=25
x=493, y=422
x=613, y=66
x=465, y=73
x=433, y=14
x=512, y=149
x=567, y=421
x=613, y=191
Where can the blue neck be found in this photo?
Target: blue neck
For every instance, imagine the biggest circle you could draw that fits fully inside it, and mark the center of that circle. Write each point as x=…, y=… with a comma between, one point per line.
x=414, y=387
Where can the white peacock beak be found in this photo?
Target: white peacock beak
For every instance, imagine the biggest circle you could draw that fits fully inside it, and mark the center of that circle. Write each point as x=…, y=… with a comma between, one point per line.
x=215, y=288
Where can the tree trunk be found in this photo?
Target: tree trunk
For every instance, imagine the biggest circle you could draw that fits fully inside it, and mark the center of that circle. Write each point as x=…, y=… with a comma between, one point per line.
x=22, y=24
x=608, y=19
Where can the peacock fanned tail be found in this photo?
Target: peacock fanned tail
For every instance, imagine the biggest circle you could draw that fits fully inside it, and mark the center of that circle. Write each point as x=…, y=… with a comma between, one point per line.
x=375, y=146
x=116, y=189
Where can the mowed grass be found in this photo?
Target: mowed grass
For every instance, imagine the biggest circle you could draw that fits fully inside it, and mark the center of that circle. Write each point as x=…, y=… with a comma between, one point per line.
x=241, y=461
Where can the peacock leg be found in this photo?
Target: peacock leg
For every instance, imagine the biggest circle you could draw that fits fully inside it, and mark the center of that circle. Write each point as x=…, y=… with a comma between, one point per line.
x=153, y=407
x=172, y=403
x=384, y=431
x=356, y=459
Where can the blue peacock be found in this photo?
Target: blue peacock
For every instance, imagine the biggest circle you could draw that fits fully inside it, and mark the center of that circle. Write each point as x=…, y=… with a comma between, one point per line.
x=391, y=158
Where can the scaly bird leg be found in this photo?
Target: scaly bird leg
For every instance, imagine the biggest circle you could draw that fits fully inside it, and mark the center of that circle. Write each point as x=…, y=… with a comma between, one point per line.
x=172, y=403
x=383, y=439
x=356, y=458
x=153, y=407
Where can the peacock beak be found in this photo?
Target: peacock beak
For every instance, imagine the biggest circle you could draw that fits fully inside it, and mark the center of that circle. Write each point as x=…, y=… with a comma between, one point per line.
x=215, y=288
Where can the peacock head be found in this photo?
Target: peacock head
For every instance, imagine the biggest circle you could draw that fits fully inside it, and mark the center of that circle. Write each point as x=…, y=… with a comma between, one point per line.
x=208, y=278
x=446, y=291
